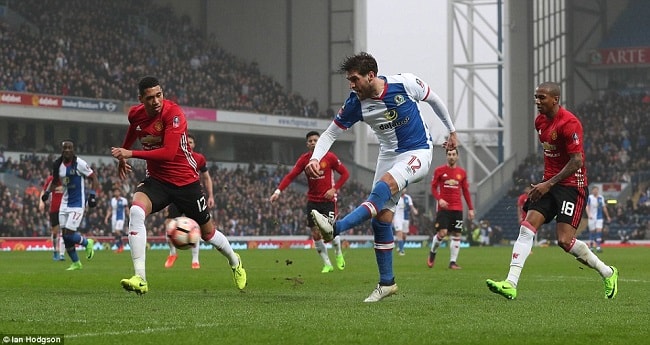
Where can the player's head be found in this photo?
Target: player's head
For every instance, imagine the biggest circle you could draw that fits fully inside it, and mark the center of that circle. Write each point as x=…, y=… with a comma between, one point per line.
x=191, y=141
x=67, y=150
x=360, y=70
x=312, y=139
x=452, y=157
x=547, y=98
x=595, y=190
x=150, y=94
x=117, y=191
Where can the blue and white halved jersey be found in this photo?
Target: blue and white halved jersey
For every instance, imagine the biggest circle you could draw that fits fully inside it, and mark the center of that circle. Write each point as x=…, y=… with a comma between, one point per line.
x=595, y=205
x=394, y=116
x=72, y=177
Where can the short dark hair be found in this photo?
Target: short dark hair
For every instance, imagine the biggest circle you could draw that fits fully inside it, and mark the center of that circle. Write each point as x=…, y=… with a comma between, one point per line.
x=311, y=133
x=362, y=63
x=552, y=88
x=147, y=83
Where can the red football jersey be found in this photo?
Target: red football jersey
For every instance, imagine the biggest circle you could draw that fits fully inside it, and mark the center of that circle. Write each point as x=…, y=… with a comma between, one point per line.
x=201, y=162
x=55, y=201
x=448, y=183
x=319, y=185
x=164, y=144
x=560, y=137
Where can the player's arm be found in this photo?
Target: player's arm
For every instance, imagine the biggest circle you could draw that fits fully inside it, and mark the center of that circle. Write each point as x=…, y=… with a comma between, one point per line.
x=109, y=213
x=288, y=178
x=468, y=199
x=344, y=175
x=605, y=211
x=413, y=208
x=207, y=182
x=442, y=112
x=574, y=163
x=434, y=185
x=325, y=141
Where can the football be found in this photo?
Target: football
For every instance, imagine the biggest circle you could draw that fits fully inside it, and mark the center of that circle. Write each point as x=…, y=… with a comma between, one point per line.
x=183, y=233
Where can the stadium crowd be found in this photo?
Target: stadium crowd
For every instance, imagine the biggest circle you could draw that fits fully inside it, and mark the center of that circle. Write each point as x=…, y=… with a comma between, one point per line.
x=104, y=52
x=241, y=200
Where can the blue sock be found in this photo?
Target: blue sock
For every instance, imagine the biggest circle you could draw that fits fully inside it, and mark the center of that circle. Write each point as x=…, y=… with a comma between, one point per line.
x=384, y=244
x=599, y=239
x=376, y=200
x=70, y=246
x=400, y=245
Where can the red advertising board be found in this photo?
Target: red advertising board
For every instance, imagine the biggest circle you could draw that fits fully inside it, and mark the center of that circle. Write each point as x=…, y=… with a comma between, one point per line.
x=17, y=98
x=627, y=56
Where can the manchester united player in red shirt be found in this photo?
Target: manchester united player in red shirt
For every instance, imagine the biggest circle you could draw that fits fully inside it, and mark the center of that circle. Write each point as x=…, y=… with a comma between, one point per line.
x=561, y=195
x=321, y=196
x=172, y=177
x=448, y=182
x=55, y=203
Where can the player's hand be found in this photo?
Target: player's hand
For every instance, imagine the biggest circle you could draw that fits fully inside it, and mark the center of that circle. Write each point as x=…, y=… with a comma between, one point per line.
x=443, y=203
x=538, y=190
x=329, y=195
x=452, y=142
x=92, y=199
x=313, y=169
x=121, y=153
x=470, y=215
x=210, y=202
x=124, y=168
x=45, y=196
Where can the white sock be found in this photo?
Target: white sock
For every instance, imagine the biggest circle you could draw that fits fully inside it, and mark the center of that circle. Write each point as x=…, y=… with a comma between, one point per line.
x=61, y=246
x=220, y=242
x=195, y=252
x=172, y=249
x=322, y=251
x=520, y=252
x=336, y=244
x=435, y=243
x=138, y=240
x=581, y=251
x=454, y=248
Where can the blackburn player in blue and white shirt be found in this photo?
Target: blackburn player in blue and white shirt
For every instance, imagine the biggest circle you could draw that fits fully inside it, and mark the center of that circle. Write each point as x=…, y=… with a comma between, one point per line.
x=118, y=211
x=596, y=209
x=402, y=220
x=389, y=105
x=72, y=171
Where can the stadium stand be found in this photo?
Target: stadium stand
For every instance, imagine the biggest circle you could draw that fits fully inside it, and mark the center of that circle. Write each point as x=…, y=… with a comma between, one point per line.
x=103, y=53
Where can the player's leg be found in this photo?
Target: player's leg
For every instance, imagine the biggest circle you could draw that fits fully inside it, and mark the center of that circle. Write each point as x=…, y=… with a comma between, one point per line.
x=384, y=243
x=150, y=196
x=69, y=220
x=454, y=239
x=172, y=212
x=522, y=248
x=118, y=228
x=195, y=256
x=54, y=227
x=442, y=219
x=599, y=235
x=391, y=176
x=319, y=243
x=191, y=202
x=321, y=249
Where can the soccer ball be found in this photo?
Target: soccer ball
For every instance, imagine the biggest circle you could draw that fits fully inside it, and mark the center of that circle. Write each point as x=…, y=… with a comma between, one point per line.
x=183, y=233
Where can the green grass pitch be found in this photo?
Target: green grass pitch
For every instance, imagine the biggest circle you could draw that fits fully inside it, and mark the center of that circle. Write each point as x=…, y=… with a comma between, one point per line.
x=288, y=300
